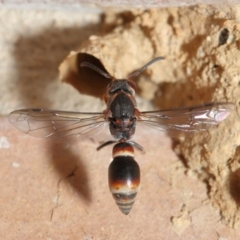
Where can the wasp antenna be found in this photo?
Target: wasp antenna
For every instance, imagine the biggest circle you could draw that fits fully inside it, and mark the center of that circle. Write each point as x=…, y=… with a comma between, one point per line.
x=136, y=73
x=93, y=67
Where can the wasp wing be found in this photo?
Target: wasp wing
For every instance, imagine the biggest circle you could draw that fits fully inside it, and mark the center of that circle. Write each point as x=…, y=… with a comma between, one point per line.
x=189, y=119
x=55, y=124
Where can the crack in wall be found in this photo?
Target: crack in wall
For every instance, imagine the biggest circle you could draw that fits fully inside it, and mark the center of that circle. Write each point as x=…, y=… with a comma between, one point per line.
x=71, y=174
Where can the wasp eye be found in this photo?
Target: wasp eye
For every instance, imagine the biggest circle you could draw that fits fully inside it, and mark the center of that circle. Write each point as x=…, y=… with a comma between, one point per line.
x=133, y=87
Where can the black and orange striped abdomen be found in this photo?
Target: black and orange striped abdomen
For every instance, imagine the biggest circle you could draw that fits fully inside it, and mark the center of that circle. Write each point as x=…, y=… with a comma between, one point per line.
x=124, y=176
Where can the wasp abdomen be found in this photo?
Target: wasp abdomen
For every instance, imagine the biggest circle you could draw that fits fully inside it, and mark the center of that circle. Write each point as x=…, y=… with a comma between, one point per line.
x=124, y=176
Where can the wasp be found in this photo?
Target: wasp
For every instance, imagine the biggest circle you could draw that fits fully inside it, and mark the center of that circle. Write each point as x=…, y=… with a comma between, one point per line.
x=122, y=116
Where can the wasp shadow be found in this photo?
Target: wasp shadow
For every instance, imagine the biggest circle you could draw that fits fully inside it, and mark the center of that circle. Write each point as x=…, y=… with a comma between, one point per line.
x=71, y=168
x=187, y=92
x=37, y=58
x=179, y=95
x=182, y=94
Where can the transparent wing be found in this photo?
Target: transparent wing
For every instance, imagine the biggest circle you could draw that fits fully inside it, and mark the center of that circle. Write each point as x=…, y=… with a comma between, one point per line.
x=189, y=119
x=56, y=124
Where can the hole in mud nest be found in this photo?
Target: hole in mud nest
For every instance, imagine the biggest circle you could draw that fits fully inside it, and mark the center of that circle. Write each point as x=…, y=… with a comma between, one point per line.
x=234, y=185
x=223, y=37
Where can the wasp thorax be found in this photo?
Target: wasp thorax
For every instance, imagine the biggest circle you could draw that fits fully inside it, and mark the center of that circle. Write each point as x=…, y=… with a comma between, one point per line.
x=124, y=176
